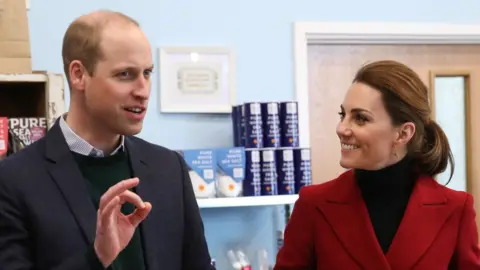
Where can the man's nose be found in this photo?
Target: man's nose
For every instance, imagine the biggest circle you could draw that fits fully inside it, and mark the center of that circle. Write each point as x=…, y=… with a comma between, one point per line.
x=142, y=87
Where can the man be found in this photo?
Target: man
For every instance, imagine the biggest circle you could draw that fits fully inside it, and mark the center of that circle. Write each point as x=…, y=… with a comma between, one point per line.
x=89, y=195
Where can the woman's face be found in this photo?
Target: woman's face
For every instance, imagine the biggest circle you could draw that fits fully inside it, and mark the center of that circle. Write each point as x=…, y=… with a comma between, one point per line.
x=368, y=139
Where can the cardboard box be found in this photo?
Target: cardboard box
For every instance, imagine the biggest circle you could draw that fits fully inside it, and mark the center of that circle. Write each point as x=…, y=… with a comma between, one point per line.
x=230, y=171
x=16, y=133
x=28, y=129
x=201, y=169
x=15, y=52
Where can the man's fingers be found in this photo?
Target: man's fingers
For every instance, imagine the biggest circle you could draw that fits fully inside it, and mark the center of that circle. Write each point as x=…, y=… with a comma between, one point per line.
x=116, y=203
x=139, y=214
x=116, y=190
x=111, y=207
x=128, y=196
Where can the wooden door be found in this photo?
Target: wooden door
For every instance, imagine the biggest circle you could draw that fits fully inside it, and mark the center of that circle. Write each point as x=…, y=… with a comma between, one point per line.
x=332, y=67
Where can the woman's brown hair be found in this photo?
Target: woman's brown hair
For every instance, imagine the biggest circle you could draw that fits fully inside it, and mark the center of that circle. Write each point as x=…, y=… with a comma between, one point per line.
x=405, y=98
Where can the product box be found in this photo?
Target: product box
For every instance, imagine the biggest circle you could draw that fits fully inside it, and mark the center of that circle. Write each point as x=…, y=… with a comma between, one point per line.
x=28, y=130
x=201, y=165
x=230, y=171
x=16, y=133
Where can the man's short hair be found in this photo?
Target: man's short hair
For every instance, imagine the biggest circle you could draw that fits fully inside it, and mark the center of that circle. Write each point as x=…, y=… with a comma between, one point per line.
x=82, y=39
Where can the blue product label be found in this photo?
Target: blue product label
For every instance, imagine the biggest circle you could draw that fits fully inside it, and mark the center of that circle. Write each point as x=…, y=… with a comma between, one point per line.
x=238, y=133
x=286, y=171
x=253, y=125
x=231, y=162
x=271, y=123
x=203, y=162
x=289, y=124
x=269, y=173
x=303, y=169
x=253, y=177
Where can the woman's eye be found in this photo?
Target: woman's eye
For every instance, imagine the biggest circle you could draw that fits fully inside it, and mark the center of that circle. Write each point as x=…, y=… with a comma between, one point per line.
x=360, y=119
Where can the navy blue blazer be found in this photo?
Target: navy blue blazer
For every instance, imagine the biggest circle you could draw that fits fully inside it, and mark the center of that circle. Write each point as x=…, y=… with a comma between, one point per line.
x=48, y=221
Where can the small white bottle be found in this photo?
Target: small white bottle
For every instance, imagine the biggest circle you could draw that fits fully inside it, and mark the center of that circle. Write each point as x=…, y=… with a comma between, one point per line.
x=234, y=260
x=242, y=258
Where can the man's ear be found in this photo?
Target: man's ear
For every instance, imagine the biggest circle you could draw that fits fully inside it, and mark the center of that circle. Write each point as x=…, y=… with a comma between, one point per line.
x=405, y=133
x=77, y=73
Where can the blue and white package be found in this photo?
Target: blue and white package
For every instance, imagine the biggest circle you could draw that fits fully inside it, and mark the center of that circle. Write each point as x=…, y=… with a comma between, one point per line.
x=303, y=168
x=253, y=173
x=271, y=124
x=230, y=171
x=253, y=125
x=290, y=136
x=285, y=170
x=269, y=172
x=202, y=170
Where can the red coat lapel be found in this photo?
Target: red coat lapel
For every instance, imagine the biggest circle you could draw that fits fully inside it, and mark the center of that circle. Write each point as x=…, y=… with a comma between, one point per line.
x=426, y=213
x=347, y=214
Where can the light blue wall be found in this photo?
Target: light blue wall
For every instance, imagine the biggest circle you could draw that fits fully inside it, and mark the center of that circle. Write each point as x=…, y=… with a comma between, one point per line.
x=261, y=33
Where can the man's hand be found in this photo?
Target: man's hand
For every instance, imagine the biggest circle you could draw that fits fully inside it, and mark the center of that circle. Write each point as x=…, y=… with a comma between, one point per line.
x=114, y=229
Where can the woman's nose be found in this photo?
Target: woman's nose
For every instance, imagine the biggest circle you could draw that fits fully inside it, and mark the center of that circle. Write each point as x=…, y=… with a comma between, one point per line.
x=343, y=129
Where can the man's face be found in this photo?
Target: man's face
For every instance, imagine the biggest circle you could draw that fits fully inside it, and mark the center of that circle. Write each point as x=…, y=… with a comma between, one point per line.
x=116, y=96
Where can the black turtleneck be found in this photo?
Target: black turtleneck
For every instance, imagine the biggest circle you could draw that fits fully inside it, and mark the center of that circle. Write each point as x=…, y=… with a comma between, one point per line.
x=386, y=193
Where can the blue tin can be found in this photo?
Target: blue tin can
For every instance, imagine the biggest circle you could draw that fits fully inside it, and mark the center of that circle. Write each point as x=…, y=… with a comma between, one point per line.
x=289, y=124
x=253, y=125
x=285, y=171
x=269, y=172
x=253, y=173
x=271, y=124
x=303, y=168
x=237, y=125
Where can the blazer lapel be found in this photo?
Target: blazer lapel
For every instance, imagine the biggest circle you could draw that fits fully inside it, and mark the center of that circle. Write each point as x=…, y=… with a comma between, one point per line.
x=347, y=214
x=66, y=174
x=151, y=227
x=426, y=213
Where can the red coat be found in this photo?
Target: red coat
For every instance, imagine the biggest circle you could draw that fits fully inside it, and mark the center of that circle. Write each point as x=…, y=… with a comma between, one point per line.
x=330, y=230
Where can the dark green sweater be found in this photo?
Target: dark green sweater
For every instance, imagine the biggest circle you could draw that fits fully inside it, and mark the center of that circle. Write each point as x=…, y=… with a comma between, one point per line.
x=102, y=173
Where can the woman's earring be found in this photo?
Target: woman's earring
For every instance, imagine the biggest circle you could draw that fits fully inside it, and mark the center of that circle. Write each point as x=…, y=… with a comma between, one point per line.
x=395, y=154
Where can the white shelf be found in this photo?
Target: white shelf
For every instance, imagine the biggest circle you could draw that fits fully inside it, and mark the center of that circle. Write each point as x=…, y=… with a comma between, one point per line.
x=247, y=201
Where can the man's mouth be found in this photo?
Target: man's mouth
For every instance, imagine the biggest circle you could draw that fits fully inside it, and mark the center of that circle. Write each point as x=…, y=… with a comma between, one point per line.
x=137, y=110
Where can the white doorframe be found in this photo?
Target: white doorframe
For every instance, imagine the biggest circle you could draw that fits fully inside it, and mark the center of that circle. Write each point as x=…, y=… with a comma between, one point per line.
x=308, y=33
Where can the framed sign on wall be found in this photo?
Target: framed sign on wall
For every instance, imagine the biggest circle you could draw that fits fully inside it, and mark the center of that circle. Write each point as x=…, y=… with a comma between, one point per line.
x=197, y=80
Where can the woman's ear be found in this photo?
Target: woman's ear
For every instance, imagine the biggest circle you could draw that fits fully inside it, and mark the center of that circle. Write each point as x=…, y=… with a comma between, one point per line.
x=405, y=133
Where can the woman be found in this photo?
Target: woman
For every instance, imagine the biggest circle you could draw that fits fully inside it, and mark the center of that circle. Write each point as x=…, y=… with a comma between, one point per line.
x=387, y=212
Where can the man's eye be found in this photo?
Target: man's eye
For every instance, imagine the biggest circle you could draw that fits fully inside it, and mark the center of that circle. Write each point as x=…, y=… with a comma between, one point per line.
x=147, y=73
x=124, y=74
